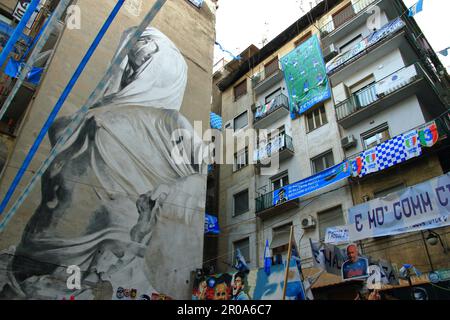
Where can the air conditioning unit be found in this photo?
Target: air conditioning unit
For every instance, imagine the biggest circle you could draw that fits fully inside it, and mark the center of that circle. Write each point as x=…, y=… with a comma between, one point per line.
x=229, y=125
x=308, y=223
x=330, y=52
x=348, y=142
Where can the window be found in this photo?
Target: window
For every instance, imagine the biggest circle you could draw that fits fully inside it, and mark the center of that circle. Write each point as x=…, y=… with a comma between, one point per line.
x=241, y=121
x=303, y=39
x=344, y=15
x=273, y=95
x=316, y=118
x=240, y=89
x=280, y=242
x=241, y=203
x=244, y=247
x=330, y=218
x=385, y=192
x=280, y=181
x=322, y=162
x=271, y=67
x=241, y=159
x=375, y=137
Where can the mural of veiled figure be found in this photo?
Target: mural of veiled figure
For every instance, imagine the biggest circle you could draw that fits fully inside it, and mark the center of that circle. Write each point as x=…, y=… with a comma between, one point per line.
x=115, y=202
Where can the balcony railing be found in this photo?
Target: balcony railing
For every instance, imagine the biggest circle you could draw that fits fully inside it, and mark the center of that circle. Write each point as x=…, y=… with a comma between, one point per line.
x=264, y=206
x=376, y=91
x=280, y=101
x=344, y=16
x=265, y=74
x=277, y=145
x=365, y=46
x=264, y=202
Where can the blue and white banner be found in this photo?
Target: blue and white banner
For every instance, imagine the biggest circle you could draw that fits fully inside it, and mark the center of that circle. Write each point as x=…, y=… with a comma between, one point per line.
x=423, y=206
x=311, y=184
x=415, y=9
x=211, y=225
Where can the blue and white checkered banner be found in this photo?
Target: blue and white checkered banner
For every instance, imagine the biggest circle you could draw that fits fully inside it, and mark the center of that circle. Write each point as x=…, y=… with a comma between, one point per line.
x=416, y=208
x=390, y=153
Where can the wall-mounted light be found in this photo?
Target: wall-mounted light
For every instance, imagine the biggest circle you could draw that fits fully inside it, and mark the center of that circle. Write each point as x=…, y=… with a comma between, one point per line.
x=434, y=238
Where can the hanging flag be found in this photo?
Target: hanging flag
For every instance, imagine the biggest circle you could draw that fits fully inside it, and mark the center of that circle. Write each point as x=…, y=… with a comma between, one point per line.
x=428, y=135
x=13, y=69
x=211, y=225
x=216, y=121
x=241, y=265
x=415, y=9
x=267, y=258
x=226, y=51
x=444, y=52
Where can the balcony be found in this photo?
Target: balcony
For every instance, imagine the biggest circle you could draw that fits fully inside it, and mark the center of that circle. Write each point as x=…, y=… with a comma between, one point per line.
x=265, y=115
x=264, y=206
x=382, y=94
x=281, y=146
x=266, y=79
x=351, y=18
x=378, y=44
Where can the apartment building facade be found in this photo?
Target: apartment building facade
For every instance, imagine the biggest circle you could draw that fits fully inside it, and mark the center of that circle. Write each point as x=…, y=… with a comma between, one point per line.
x=367, y=45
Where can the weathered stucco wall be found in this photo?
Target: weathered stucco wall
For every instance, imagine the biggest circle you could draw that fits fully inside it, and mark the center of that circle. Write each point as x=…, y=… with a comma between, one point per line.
x=177, y=249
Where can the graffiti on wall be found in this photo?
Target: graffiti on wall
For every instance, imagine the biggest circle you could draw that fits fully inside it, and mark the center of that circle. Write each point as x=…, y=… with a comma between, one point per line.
x=226, y=286
x=104, y=196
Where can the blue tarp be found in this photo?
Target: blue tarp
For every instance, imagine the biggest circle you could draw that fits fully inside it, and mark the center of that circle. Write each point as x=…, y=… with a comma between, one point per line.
x=13, y=67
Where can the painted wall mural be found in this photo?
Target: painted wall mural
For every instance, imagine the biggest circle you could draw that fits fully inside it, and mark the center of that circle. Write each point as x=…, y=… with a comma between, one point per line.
x=254, y=285
x=226, y=286
x=114, y=192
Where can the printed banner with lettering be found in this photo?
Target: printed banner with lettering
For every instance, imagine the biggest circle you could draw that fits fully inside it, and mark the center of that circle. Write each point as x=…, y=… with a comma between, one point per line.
x=306, y=77
x=387, y=30
x=328, y=257
x=311, y=184
x=340, y=235
x=399, y=210
x=337, y=235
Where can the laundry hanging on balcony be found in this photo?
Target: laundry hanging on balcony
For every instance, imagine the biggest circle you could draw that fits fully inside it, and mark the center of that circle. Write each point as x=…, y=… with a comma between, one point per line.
x=264, y=109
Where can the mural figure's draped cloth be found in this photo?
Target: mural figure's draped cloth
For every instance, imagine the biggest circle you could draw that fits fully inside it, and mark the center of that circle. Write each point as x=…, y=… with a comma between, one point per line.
x=103, y=193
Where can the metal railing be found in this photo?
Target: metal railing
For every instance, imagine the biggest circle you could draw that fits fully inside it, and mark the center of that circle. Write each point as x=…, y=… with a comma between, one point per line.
x=263, y=75
x=280, y=101
x=264, y=152
x=344, y=16
x=264, y=202
x=379, y=89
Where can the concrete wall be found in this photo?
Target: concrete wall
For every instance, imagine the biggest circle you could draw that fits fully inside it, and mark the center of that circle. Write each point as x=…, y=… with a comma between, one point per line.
x=8, y=5
x=193, y=34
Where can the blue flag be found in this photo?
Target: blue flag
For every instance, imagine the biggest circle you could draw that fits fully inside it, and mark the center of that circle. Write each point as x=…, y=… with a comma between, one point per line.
x=415, y=9
x=267, y=258
x=211, y=225
x=14, y=67
x=444, y=52
x=241, y=265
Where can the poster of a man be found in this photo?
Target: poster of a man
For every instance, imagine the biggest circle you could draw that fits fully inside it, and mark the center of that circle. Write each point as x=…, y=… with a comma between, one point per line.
x=239, y=286
x=355, y=267
x=282, y=197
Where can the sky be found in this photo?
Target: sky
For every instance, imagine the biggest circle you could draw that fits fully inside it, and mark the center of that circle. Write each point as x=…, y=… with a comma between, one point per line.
x=244, y=22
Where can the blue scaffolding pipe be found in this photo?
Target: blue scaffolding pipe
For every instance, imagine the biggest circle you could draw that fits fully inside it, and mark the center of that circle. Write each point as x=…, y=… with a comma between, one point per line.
x=36, y=48
x=18, y=31
x=59, y=104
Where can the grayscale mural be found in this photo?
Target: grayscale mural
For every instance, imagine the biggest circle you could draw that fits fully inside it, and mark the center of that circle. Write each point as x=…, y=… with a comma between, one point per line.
x=115, y=197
